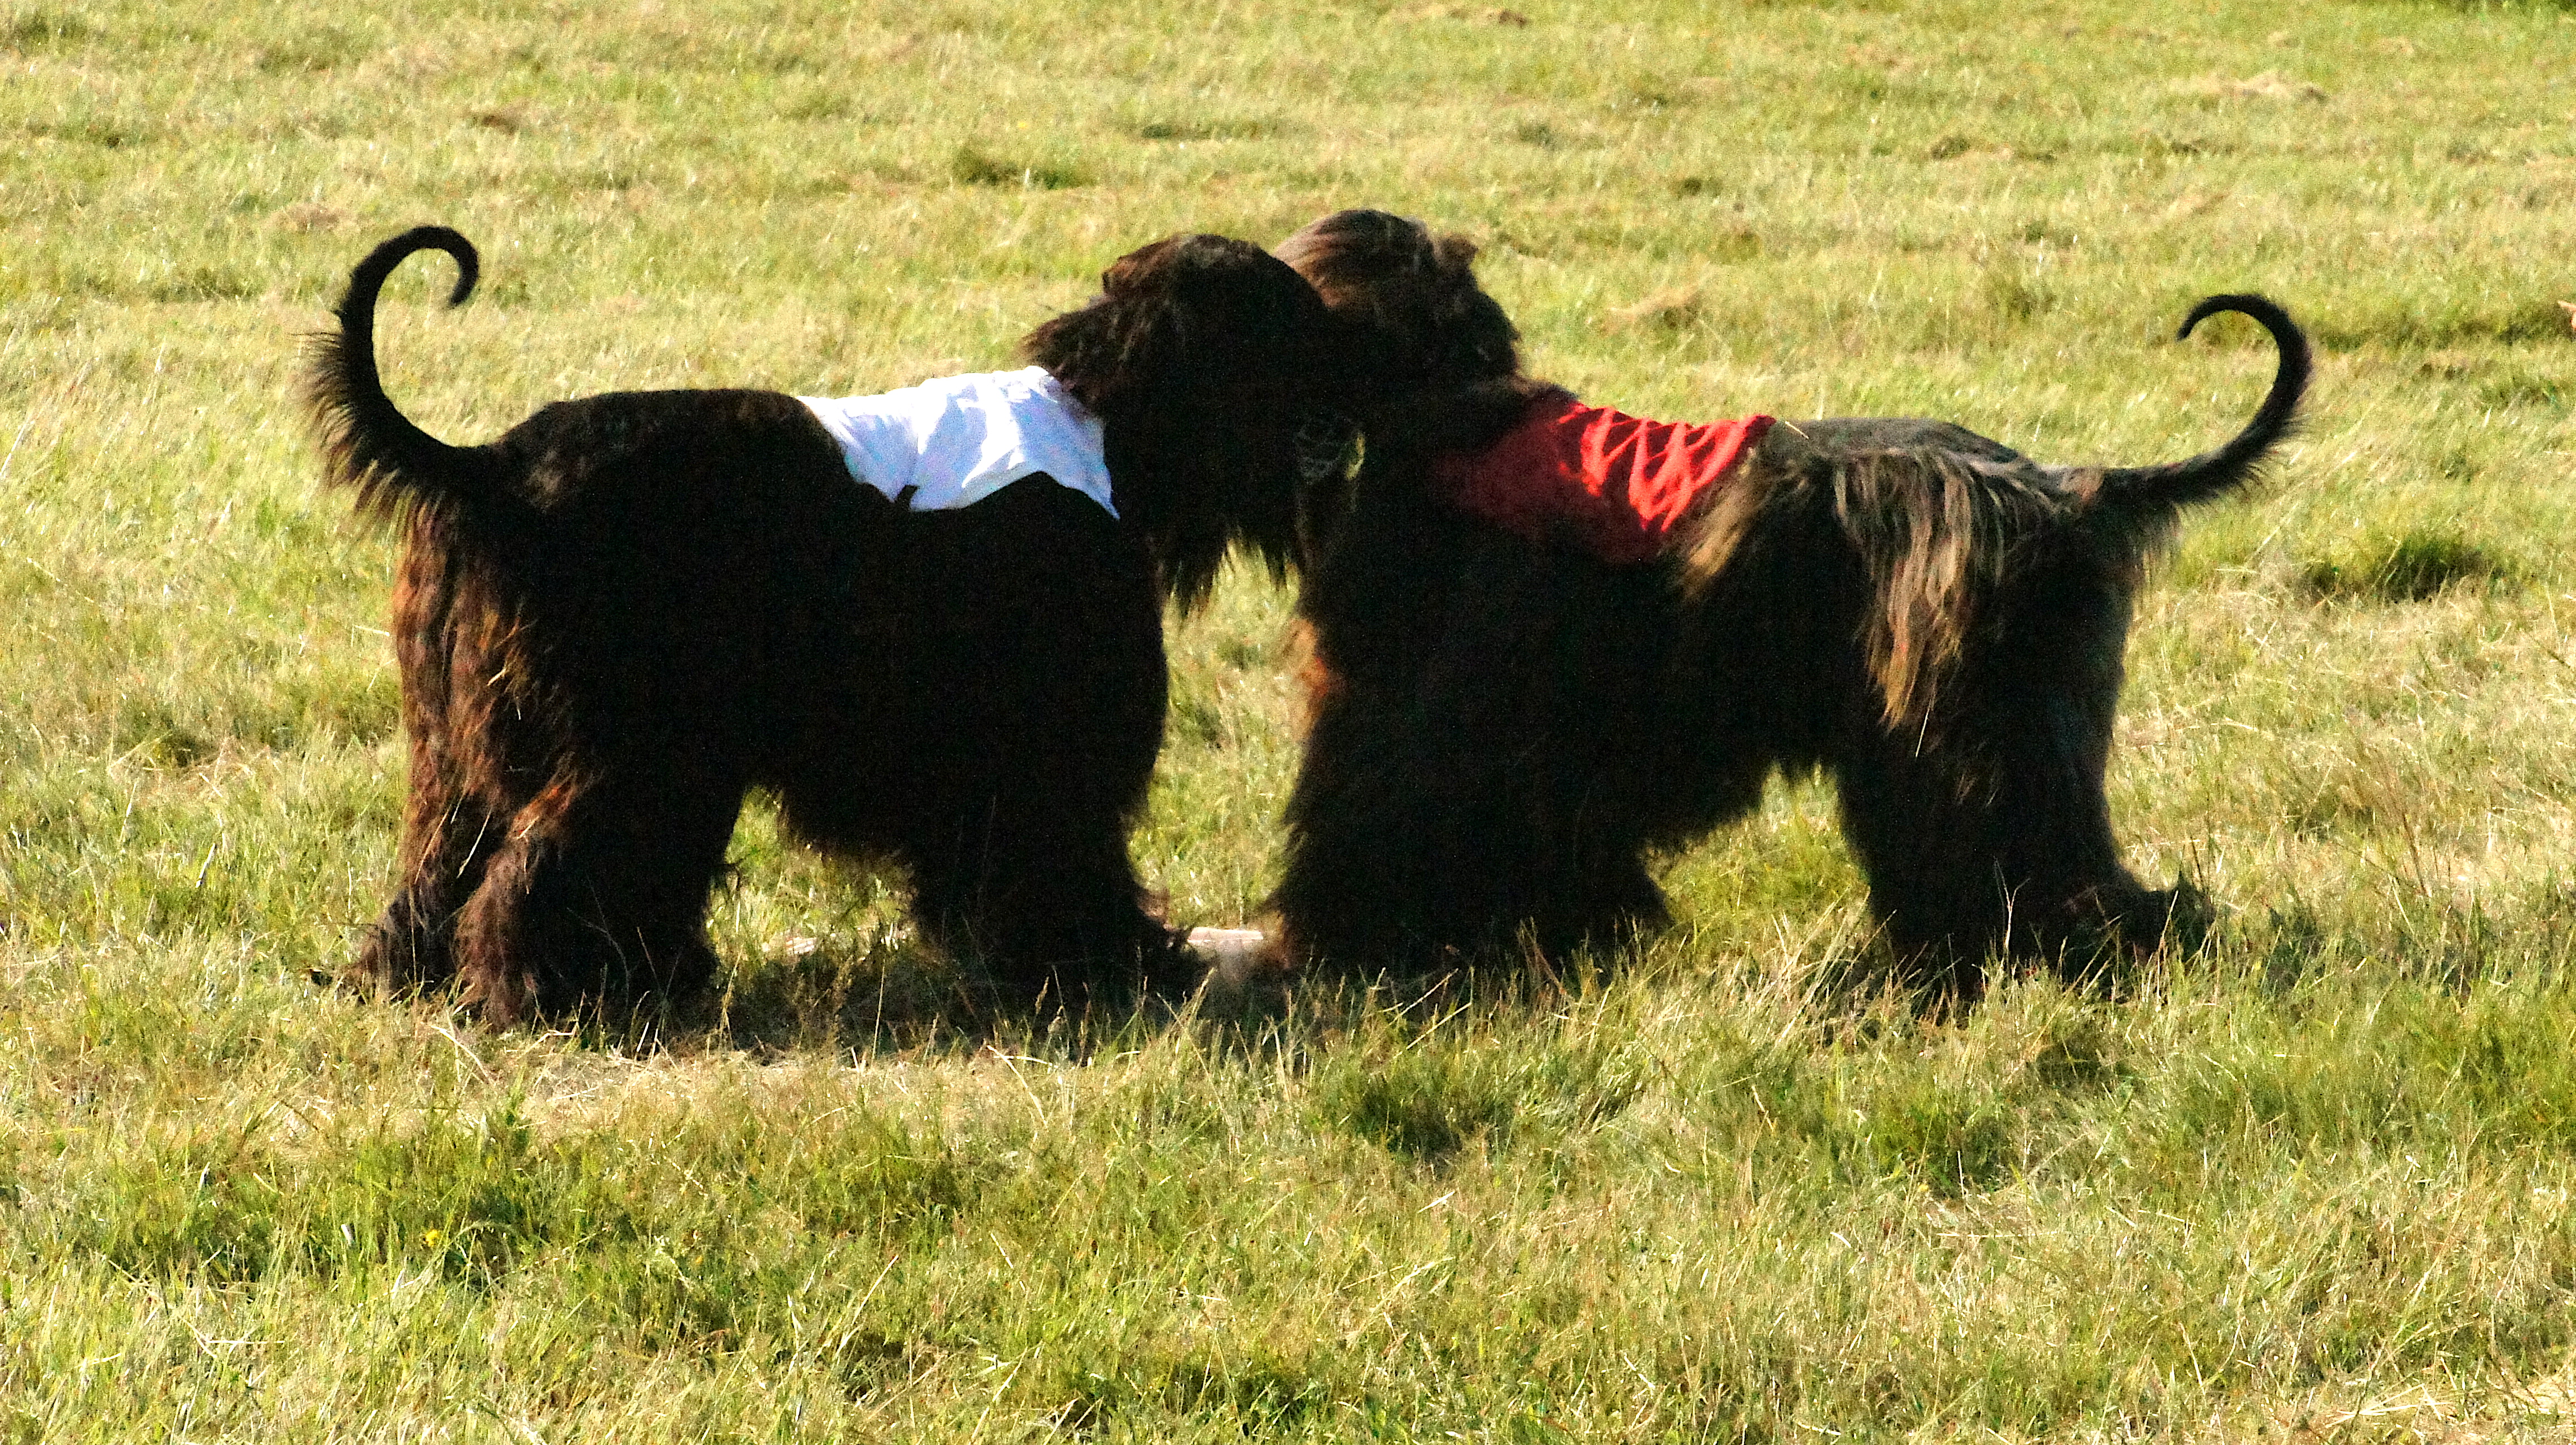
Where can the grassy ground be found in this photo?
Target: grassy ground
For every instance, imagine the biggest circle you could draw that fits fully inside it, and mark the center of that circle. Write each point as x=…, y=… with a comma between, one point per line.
x=2311, y=1185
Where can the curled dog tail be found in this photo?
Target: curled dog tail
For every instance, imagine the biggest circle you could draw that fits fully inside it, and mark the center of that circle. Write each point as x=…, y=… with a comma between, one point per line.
x=2145, y=493
x=368, y=445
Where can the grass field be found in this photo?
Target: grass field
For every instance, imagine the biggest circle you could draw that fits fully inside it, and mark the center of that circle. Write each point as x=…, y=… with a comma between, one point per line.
x=2309, y=1185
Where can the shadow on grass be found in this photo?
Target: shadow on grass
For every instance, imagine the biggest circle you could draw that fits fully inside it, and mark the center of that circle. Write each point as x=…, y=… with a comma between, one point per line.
x=2411, y=566
x=873, y=993
x=890, y=998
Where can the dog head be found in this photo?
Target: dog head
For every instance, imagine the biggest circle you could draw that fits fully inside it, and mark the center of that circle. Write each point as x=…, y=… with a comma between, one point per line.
x=1416, y=320
x=1204, y=358
x=1428, y=359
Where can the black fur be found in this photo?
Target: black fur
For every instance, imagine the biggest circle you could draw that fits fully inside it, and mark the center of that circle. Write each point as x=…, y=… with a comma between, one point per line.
x=628, y=610
x=1505, y=733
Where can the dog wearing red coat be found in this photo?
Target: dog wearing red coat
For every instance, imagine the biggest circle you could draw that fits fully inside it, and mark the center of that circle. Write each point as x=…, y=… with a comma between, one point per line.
x=1549, y=643
x=619, y=617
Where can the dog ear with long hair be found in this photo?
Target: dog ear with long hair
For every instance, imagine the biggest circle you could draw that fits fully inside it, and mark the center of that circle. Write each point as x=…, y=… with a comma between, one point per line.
x=1184, y=331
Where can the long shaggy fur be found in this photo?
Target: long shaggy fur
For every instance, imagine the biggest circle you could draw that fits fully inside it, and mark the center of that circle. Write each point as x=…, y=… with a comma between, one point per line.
x=1504, y=733
x=618, y=617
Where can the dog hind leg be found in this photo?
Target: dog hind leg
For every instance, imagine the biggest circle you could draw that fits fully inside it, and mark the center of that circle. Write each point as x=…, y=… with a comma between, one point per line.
x=598, y=897
x=450, y=825
x=449, y=837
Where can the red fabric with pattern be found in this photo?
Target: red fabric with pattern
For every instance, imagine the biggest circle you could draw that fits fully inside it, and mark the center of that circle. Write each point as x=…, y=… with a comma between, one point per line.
x=1612, y=484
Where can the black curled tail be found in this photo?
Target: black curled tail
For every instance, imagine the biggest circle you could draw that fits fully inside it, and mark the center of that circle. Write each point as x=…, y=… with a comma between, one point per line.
x=367, y=443
x=2168, y=488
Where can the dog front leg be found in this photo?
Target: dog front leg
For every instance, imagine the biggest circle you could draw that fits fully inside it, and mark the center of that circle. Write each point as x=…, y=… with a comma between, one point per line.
x=1051, y=908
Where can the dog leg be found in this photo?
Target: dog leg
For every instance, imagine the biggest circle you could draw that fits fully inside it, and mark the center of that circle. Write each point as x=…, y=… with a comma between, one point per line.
x=1384, y=874
x=1051, y=907
x=1502, y=800
x=598, y=898
x=448, y=839
x=1942, y=917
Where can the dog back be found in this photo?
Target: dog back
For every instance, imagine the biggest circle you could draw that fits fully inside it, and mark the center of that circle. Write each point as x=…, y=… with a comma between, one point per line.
x=955, y=441
x=1613, y=484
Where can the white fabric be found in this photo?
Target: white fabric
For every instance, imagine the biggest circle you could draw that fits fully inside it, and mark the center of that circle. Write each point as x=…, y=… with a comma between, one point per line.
x=960, y=439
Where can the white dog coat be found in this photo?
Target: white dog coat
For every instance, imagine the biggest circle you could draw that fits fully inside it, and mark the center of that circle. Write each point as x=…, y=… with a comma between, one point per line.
x=957, y=440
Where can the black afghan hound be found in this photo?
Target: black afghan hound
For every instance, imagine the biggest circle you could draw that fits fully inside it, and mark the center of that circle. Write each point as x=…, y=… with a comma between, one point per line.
x=628, y=610
x=1548, y=642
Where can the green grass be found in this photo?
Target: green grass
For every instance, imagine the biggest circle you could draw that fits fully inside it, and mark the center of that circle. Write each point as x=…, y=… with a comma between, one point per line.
x=2310, y=1185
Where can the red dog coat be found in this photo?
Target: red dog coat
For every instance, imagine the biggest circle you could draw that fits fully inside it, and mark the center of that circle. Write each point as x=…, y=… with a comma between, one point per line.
x=1613, y=484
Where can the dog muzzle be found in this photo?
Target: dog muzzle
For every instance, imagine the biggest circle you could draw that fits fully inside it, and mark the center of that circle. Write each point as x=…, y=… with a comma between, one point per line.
x=1324, y=445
